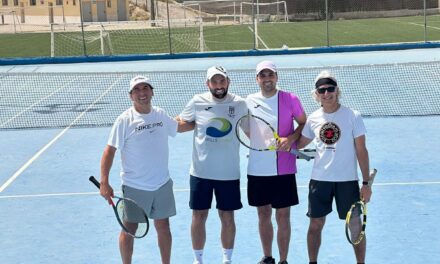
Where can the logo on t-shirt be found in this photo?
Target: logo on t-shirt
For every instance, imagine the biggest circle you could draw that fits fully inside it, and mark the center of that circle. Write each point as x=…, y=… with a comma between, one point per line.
x=218, y=127
x=231, y=112
x=329, y=133
x=148, y=126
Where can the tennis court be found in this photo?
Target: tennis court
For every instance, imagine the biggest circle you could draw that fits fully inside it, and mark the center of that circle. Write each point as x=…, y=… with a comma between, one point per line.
x=52, y=214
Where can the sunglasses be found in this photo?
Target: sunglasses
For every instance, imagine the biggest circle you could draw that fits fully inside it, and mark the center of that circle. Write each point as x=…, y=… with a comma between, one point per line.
x=329, y=89
x=266, y=74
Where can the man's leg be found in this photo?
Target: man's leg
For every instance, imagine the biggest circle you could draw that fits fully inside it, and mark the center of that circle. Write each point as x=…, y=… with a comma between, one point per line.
x=164, y=239
x=198, y=229
x=228, y=228
x=126, y=243
x=227, y=234
x=282, y=216
x=266, y=228
x=314, y=237
x=359, y=249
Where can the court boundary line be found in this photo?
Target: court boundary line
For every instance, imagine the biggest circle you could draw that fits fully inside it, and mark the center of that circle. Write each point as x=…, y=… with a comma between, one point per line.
x=34, y=104
x=59, y=135
x=187, y=190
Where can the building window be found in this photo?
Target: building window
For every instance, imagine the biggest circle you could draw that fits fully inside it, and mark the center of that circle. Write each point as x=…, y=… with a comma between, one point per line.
x=5, y=2
x=59, y=2
x=15, y=2
x=109, y=3
x=32, y=2
x=74, y=2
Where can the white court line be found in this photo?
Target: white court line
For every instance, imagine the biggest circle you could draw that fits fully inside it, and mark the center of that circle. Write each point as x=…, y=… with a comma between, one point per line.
x=187, y=190
x=32, y=105
x=41, y=151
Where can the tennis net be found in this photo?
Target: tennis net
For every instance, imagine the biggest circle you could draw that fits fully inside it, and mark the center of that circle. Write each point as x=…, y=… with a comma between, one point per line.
x=56, y=100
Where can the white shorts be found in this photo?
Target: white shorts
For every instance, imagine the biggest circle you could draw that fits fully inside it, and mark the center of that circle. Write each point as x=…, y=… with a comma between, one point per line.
x=158, y=204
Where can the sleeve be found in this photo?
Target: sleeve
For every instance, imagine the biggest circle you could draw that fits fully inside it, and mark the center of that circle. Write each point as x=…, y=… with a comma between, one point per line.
x=307, y=130
x=296, y=106
x=188, y=113
x=243, y=108
x=171, y=125
x=358, y=125
x=117, y=134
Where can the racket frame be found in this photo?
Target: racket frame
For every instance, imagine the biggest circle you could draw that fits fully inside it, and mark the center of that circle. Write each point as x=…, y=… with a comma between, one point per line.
x=115, y=210
x=363, y=208
x=299, y=153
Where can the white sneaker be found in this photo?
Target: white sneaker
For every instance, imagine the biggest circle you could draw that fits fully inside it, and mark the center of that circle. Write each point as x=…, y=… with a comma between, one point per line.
x=227, y=261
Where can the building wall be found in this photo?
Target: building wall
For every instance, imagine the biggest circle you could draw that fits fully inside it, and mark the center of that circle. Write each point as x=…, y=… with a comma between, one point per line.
x=65, y=11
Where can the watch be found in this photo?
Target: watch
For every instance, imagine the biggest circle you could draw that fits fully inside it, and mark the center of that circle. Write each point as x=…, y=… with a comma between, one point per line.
x=364, y=183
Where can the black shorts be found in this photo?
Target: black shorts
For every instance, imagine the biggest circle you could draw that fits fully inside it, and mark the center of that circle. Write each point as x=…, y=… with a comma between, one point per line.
x=279, y=191
x=321, y=194
x=227, y=194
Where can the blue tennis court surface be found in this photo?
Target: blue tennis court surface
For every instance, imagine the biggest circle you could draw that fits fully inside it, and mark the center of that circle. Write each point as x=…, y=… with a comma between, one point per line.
x=51, y=213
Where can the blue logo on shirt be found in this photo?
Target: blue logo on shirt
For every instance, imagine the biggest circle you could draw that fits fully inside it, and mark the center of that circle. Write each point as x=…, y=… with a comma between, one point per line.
x=220, y=127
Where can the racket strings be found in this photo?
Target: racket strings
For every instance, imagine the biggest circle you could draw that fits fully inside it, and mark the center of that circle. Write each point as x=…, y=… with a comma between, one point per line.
x=356, y=222
x=255, y=133
x=132, y=218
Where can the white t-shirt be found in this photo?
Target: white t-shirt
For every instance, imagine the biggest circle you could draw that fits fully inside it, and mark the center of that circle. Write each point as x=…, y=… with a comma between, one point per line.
x=333, y=135
x=279, y=111
x=143, y=142
x=215, y=148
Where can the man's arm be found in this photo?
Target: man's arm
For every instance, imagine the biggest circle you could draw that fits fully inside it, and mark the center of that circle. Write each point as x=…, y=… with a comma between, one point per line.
x=364, y=164
x=106, y=164
x=184, y=126
x=286, y=143
x=302, y=142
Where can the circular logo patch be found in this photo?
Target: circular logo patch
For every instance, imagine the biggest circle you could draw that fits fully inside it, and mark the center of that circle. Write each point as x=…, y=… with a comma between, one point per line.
x=329, y=133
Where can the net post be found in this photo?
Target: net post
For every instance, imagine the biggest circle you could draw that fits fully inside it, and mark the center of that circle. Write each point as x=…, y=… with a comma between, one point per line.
x=286, y=15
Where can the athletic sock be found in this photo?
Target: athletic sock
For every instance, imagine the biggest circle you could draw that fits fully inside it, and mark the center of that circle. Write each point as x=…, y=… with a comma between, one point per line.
x=227, y=255
x=198, y=256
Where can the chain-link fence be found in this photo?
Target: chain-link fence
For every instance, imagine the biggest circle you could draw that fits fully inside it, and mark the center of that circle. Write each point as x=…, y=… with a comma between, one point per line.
x=118, y=27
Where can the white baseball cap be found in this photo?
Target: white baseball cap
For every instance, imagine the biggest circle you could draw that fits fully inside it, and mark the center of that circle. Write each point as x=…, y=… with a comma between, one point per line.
x=214, y=70
x=139, y=79
x=266, y=65
x=325, y=77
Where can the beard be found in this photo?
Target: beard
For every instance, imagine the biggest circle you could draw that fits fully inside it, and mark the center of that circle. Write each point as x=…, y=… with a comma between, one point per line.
x=219, y=93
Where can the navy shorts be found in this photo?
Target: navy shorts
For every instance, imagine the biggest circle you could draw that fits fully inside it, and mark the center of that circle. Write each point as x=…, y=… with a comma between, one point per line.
x=278, y=191
x=227, y=194
x=321, y=194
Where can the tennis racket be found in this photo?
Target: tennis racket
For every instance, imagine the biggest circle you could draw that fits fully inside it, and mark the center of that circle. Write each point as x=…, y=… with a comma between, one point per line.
x=257, y=134
x=130, y=216
x=356, y=220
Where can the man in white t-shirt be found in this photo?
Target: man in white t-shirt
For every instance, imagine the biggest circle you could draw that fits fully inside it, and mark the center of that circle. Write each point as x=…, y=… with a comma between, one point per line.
x=215, y=160
x=339, y=136
x=271, y=174
x=141, y=134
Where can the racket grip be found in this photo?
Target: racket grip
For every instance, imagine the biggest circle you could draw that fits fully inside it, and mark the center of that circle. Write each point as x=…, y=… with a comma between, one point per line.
x=300, y=154
x=372, y=176
x=95, y=182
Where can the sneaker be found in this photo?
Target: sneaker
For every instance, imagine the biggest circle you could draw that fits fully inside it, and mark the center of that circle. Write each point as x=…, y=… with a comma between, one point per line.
x=267, y=260
x=227, y=262
x=283, y=262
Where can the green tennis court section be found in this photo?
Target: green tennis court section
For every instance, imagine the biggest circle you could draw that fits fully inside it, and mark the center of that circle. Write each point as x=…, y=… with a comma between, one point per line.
x=221, y=37
x=53, y=214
